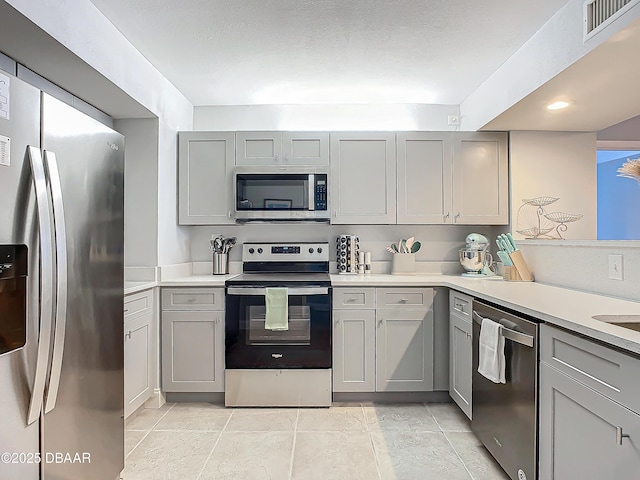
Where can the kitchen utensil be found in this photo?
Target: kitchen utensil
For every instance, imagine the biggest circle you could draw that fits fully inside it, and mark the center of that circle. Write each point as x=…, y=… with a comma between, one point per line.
x=512, y=241
x=415, y=247
x=403, y=244
x=410, y=241
x=395, y=248
x=391, y=250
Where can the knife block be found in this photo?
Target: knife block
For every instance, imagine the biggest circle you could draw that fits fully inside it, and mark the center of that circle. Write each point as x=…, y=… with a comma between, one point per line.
x=519, y=272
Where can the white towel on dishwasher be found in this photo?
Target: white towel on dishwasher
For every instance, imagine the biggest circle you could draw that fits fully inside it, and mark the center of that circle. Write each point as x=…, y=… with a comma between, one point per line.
x=491, y=361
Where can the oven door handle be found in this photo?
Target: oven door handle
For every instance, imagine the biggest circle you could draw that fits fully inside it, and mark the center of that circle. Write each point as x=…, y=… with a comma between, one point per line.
x=297, y=291
x=521, y=338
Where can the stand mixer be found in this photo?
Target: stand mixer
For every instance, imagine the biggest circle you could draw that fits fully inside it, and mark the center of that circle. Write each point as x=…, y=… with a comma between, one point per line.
x=474, y=257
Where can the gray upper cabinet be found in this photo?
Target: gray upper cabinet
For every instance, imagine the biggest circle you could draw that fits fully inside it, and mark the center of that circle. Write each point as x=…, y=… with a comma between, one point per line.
x=480, y=179
x=424, y=177
x=363, y=178
x=205, y=182
x=282, y=148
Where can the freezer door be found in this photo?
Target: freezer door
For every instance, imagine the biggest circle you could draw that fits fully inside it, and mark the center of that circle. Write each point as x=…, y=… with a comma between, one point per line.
x=19, y=225
x=86, y=415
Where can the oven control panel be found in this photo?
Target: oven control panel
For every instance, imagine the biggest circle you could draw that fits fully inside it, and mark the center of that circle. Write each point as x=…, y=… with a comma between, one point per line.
x=285, y=252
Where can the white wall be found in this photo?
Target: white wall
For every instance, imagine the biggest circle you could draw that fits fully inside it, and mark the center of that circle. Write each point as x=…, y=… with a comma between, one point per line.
x=440, y=243
x=140, y=190
x=585, y=266
x=81, y=28
x=325, y=117
x=555, y=164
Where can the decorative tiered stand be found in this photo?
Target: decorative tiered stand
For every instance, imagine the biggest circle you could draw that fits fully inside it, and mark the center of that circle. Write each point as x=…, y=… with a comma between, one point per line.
x=535, y=222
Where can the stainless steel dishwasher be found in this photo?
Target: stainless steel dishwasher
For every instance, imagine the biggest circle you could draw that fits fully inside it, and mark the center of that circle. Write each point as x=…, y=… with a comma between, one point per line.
x=505, y=415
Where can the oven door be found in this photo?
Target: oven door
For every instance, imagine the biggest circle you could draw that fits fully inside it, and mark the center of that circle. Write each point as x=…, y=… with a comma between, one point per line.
x=306, y=344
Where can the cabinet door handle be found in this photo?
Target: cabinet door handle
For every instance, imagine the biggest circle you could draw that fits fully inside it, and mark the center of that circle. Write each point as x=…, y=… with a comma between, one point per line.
x=351, y=299
x=191, y=300
x=275, y=158
x=286, y=158
x=460, y=306
x=620, y=435
x=335, y=214
x=128, y=335
x=446, y=215
x=456, y=217
x=380, y=322
x=337, y=323
x=404, y=300
x=229, y=214
x=126, y=310
x=469, y=336
x=217, y=321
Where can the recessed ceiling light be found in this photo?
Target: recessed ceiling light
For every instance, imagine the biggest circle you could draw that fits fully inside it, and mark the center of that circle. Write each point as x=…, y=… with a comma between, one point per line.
x=557, y=105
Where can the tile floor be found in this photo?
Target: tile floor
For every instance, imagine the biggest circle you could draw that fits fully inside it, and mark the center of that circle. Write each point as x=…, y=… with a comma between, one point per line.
x=348, y=441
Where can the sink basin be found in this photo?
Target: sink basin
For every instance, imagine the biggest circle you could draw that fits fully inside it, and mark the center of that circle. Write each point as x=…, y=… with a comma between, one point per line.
x=631, y=322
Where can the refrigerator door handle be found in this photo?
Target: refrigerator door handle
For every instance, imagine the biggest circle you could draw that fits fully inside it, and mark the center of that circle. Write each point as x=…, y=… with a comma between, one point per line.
x=46, y=283
x=51, y=166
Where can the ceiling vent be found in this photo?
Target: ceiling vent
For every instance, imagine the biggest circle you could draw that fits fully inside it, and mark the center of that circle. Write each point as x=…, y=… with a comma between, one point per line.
x=600, y=13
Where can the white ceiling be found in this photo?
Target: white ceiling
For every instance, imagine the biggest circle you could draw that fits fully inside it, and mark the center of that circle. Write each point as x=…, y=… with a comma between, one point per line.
x=246, y=52
x=602, y=89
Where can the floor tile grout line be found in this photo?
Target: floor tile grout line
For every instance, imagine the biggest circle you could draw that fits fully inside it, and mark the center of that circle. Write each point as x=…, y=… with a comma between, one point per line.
x=147, y=432
x=214, y=447
x=293, y=446
x=458, y=455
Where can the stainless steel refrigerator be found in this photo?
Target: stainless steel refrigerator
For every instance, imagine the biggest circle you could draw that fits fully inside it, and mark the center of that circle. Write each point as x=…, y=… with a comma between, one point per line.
x=61, y=353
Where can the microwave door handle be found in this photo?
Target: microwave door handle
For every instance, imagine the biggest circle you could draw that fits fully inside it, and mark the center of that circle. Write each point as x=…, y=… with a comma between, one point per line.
x=296, y=291
x=45, y=232
x=521, y=338
x=312, y=192
x=51, y=165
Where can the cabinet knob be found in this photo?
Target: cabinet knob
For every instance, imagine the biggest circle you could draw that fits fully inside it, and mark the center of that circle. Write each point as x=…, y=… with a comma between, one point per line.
x=620, y=435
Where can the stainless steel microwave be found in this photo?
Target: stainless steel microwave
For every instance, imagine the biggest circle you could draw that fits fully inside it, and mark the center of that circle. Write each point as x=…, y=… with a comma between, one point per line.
x=281, y=193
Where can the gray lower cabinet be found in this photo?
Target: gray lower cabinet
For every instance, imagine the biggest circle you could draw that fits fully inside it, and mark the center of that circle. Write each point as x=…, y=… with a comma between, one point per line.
x=138, y=350
x=354, y=343
x=460, y=350
x=404, y=350
x=388, y=349
x=193, y=340
x=589, y=415
x=580, y=432
x=460, y=364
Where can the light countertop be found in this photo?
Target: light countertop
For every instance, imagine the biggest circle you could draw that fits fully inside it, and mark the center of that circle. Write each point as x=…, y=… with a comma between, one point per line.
x=135, y=287
x=570, y=309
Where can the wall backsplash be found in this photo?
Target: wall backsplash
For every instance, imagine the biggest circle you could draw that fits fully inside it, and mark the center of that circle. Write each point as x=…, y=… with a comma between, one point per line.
x=585, y=266
x=440, y=243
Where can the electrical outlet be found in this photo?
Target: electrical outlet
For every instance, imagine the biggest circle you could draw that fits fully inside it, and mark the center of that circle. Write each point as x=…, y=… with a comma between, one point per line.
x=615, y=267
x=454, y=120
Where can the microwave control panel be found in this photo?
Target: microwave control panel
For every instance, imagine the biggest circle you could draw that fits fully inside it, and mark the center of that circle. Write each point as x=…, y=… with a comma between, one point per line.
x=321, y=192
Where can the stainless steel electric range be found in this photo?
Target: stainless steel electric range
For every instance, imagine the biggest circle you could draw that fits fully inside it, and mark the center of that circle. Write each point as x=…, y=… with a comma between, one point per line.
x=267, y=367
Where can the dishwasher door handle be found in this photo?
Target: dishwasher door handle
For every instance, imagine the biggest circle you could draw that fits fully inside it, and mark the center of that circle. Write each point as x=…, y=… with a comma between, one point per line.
x=521, y=338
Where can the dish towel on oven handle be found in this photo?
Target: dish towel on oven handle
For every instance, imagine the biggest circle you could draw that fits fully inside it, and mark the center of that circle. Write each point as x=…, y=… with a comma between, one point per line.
x=491, y=361
x=277, y=302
